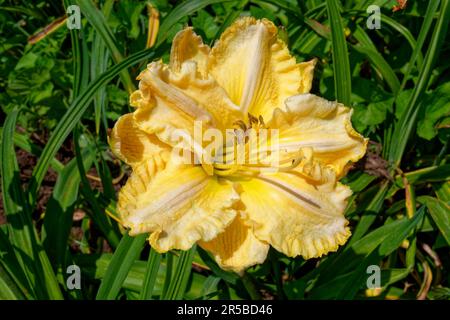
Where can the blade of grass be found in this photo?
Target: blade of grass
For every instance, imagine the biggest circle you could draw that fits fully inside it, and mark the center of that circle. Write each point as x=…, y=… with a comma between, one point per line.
x=98, y=214
x=210, y=287
x=404, y=127
x=442, y=191
x=393, y=275
x=341, y=64
x=379, y=243
x=388, y=245
x=424, y=175
x=23, y=236
x=179, y=280
x=417, y=54
x=99, y=64
x=20, y=226
x=367, y=48
x=126, y=253
x=250, y=287
x=169, y=260
x=8, y=288
x=440, y=212
x=59, y=211
x=98, y=21
x=105, y=175
x=80, y=57
x=370, y=215
x=94, y=266
x=49, y=278
x=289, y=6
x=24, y=142
x=10, y=265
x=153, y=264
x=429, y=174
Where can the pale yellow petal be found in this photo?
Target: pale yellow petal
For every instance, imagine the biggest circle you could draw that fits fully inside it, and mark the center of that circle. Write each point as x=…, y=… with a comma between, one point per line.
x=255, y=67
x=294, y=216
x=181, y=100
x=324, y=126
x=188, y=46
x=237, y=248
x=306, y=75
x=133, y=145
x=179, y=204
x=313, y=171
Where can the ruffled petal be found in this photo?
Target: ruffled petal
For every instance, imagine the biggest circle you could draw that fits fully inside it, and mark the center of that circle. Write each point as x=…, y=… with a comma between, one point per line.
x=188, y=46
x=178, y=203
x=255, y=67
x=323, y=126
x=313, y=171
x=306, y=75
x=133, y=145
x=294, y=216
x=181, y=104
x=237, y=248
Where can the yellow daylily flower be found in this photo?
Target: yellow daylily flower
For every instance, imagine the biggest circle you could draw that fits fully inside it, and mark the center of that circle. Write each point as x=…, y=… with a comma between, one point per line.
x=236, y=212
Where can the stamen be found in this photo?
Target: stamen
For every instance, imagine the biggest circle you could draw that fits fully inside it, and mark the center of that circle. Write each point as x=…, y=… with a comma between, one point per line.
x=261, y=121
x=231, y=167
x=241, y=124
x=224, y=169
x=252, y=120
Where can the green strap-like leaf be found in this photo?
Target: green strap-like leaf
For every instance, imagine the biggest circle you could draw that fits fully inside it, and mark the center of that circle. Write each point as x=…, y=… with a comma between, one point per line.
x=126, y=253
x=440, y=212
x=407, y=122
x=341, y=64
x=31, y=256
x=154, y=261
x=98, y=21
x=59, y=210
x=180, y=277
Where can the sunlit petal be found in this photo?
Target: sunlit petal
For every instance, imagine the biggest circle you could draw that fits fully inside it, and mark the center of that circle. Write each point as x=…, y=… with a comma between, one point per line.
x=237, y=248
x=294, y=216
x=255, y=67
x=313, y=171
x=322, y=125
x=179, y=99
x=179, y=204
x=188, y=46
x=306, y=75
x=133, y=145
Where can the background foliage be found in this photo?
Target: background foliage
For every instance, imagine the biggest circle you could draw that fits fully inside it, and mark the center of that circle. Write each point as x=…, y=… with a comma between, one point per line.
x=60, y=95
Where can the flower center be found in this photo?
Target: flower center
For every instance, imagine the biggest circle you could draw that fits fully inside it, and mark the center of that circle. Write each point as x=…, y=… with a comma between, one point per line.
x=252, y=149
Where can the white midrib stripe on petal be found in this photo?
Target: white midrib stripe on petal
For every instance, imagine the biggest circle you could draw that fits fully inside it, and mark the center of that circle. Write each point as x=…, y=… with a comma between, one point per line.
x=318, y=146
x=171, y=201
x=255, y=69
